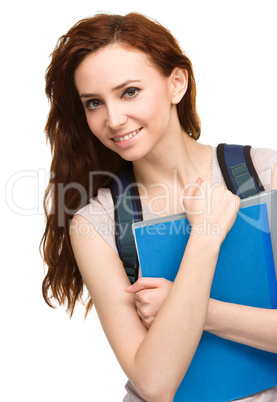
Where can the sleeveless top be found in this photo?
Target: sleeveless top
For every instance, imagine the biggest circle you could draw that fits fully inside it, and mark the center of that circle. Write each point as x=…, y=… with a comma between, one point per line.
x=99, y=212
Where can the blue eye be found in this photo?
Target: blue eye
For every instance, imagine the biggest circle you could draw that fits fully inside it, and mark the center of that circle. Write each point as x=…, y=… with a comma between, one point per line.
x=131, y=92
x=93, y=104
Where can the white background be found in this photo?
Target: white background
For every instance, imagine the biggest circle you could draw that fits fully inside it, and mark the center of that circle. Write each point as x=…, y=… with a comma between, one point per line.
x=45, y=356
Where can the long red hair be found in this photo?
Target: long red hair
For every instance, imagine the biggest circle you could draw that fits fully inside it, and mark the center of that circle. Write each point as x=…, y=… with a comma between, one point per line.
x=75, y=151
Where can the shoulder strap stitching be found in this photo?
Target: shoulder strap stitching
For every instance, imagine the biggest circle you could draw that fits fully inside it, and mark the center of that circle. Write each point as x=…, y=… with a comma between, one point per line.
x=238, y=173
x=251, y=167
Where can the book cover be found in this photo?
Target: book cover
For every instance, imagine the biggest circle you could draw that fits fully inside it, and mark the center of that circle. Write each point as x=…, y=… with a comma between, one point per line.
x=222, y=370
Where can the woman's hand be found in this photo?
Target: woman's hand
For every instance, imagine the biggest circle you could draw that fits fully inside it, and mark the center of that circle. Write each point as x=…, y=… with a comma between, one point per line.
x=150, y=294
x=210, y=209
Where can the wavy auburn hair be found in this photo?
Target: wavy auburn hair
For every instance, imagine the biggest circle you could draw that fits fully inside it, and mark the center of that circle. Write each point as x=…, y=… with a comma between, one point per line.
x=75, y=151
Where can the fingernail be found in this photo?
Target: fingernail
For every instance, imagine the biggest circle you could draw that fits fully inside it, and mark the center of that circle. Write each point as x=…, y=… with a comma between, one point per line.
x=129, y=288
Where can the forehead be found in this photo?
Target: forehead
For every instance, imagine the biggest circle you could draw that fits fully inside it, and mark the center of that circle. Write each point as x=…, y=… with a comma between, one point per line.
x=112, y=65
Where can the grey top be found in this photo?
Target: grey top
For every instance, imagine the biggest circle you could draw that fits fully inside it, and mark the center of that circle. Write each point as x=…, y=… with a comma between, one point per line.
x=100, y=214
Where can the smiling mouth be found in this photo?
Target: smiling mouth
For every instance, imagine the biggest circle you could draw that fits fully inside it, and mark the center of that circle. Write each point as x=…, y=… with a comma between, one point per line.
x=127, y=136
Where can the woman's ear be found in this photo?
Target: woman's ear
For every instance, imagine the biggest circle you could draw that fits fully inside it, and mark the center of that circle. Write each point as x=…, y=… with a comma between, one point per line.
x=178, y=84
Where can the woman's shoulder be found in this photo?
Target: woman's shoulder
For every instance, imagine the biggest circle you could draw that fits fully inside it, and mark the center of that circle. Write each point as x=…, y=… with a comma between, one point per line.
x=101, y=204
x=264, y=157
x=99, y=212
x=265, y=161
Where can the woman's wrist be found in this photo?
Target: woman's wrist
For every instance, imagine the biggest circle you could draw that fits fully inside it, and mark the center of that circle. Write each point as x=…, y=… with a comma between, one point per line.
x=210, y=324
x=206, y=242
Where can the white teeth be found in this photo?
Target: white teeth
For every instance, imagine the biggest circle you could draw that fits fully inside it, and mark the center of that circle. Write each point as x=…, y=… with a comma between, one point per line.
x=126, y=137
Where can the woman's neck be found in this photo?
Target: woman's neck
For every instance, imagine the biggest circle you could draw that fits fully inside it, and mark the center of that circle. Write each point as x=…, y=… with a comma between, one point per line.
x=163, y=176
x=182, y=157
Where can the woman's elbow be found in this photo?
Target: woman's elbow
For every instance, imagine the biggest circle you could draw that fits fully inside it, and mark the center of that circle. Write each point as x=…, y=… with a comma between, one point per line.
x=152, y=392
x=157, y=396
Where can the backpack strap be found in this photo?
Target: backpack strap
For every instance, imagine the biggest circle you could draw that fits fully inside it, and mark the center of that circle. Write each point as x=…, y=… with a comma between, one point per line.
x=238, y=170
x=127, y=210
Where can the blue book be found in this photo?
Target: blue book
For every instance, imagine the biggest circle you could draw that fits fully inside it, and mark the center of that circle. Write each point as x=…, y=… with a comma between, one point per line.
x=223, y=370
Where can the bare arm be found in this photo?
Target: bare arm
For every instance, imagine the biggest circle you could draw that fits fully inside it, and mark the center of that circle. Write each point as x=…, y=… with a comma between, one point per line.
x=248, y=325
x=251, y=326
x=156, y=360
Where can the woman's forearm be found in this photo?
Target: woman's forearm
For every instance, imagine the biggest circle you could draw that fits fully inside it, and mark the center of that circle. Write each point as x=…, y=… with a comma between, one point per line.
x=170, y=348
x=251, y=326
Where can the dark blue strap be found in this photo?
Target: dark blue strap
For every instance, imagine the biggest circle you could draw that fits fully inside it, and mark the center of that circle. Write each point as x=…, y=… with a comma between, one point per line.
x=127, y=211
x=238, y=170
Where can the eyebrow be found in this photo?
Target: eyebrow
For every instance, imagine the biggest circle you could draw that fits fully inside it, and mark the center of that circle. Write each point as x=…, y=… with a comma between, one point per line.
x=120, y=86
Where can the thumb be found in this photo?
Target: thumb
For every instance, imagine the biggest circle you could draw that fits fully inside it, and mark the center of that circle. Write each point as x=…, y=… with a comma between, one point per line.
x=144, y=283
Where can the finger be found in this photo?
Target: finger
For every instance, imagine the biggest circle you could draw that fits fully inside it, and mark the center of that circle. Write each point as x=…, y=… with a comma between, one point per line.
x=193, y=187
x=146, y=317
x=144, y=283
x=141, y=316
x=238, y=203
x=147, y=323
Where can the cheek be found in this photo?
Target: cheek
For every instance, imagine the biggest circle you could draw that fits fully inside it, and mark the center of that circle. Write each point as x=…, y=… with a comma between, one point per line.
x=155, y=108
x=94, y=123
x=157, y=112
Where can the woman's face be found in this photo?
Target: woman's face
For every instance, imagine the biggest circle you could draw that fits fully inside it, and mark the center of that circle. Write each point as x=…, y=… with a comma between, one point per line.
x=127, y=101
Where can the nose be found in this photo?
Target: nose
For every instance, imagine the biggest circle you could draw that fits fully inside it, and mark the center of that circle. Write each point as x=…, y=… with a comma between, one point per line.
x=115, y=117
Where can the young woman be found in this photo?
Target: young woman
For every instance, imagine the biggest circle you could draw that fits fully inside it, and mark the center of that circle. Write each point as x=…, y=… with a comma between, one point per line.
x=122, y=92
